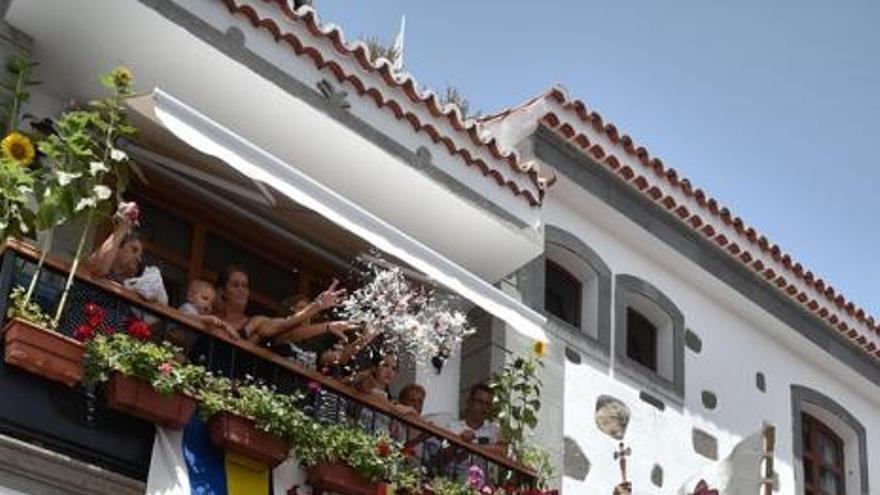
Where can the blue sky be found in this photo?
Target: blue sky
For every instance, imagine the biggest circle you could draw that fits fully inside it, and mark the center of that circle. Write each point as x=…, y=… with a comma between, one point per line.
x=771, y=107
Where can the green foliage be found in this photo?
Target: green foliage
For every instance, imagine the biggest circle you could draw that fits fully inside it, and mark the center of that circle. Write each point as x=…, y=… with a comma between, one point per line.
x=378, y=458
x=16, y=188
x=17, y=81
x=85, y=165
x=455, y=97
x=151, y=362
x=21, y=307
x=16, y=179
x=515, y=407
x=380, y=50
x=443, y=486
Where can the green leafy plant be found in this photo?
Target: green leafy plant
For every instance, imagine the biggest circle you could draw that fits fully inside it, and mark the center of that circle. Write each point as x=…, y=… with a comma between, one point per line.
x=379, y=50
x=453, y=96
x=17, y=175
x=376, y=457
x=21, y=307
x=148, y=361
x=86, y=166
x=19, y=69
x=516, y=403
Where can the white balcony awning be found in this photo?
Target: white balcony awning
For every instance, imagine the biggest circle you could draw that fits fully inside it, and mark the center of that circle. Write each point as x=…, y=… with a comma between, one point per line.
x=213, y=139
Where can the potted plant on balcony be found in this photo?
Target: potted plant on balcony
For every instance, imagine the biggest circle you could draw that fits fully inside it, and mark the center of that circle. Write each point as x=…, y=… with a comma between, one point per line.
x=27, y=344
x=354, y=462
x=249, y=419
x=142, y=378
x=80, y=165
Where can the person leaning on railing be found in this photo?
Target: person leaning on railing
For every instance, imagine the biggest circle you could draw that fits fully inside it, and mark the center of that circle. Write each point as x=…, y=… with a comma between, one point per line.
x=474, y=427
x=117, y=259
x=301, y=323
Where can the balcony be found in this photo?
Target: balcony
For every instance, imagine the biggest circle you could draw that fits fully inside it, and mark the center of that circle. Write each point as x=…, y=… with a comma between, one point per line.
x=76, y=422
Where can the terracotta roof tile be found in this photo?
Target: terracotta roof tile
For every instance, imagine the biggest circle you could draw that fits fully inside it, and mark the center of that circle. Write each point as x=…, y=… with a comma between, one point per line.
x=394, y=85
x=655, y=192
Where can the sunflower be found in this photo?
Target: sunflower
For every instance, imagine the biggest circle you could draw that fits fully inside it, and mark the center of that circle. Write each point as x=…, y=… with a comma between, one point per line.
x=539, y=348
x=123, y=76
x=18, y=147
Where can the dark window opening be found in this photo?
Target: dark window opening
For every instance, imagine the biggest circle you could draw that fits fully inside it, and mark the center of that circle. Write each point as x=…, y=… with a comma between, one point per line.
x=641, y=339
x=823, y=459
x=562, y=295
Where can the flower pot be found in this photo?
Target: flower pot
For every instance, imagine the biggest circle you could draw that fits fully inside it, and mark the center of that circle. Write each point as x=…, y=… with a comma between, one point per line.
x=138, y=398
x=339, y=478
x=233, y=433
x=43, y=352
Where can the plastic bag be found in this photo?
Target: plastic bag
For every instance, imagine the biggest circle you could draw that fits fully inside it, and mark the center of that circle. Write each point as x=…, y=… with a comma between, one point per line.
x=149, y=285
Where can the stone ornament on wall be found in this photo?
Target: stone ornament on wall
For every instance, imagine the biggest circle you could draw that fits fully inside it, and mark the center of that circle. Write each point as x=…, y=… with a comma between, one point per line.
x=336, y=97
x=612, y=416
x=576, y=465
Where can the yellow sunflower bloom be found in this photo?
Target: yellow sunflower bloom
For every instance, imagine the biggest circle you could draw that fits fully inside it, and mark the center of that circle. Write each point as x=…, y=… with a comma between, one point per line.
x=539, y=348
x=123, y=76
x=18, y=147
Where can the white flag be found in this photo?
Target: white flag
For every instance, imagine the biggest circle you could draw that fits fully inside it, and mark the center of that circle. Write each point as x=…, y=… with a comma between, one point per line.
x=397, y=48
x=738, y=474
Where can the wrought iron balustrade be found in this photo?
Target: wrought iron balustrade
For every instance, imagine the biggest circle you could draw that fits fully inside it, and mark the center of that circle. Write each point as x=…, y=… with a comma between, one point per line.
x=76, y=421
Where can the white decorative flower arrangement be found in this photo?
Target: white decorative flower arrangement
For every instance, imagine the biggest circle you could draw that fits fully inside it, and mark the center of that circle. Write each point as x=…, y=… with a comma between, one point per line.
x=416, y=322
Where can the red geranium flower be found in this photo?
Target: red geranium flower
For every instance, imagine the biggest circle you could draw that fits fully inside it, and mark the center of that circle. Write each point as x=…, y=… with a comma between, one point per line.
x=383, y=449
x=91, y=309
x=409, y=450
x=702, y=488
x=83, y=333
x=138, y=328
x=94, y=314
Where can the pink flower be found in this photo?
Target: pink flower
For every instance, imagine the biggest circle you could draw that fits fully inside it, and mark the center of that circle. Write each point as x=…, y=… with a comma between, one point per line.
x=487, y=490
x=314, y=387
x=476, y=478
x=138, y=328
x=133, y=213
x=165, y=368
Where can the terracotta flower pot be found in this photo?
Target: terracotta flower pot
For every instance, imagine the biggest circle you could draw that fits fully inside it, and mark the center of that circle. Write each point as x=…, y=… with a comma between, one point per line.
x=230, y=432
x=43, y=352
x=340, y=478
x=138, y=398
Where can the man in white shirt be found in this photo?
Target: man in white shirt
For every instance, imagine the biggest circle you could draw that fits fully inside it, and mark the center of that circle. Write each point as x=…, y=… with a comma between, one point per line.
x=475, y=427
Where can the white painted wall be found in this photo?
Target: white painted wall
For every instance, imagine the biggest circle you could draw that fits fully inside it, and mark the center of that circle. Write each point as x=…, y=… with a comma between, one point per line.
x=739, y=339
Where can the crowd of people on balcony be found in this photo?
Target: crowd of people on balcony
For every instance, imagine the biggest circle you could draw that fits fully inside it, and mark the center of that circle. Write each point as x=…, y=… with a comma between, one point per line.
x=341, y=349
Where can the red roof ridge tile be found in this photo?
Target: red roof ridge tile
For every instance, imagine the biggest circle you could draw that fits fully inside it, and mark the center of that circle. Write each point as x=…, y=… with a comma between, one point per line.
x=404, y=83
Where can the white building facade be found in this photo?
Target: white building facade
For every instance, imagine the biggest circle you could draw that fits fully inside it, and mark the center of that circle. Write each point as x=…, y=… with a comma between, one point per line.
x=673, y=327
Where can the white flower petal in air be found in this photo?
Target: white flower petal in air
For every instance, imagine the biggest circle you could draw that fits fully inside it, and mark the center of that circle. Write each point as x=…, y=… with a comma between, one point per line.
x=65, y=178
x=102, y=192
x=85, y=203
x=96, y=167
x=118, y=155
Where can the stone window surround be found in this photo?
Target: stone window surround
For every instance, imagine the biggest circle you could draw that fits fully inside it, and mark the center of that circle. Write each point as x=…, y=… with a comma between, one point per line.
x=627, y=289
x=600, y=278
x=807, y=400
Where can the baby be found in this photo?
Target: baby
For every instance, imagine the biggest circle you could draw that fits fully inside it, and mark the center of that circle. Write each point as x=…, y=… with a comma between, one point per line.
x=199, y=305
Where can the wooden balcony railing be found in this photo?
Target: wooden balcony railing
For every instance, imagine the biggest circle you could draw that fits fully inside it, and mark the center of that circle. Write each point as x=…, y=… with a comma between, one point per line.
x=79, y=424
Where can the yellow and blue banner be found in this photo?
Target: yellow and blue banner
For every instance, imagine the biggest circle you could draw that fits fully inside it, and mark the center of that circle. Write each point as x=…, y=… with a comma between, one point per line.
x=186, y=463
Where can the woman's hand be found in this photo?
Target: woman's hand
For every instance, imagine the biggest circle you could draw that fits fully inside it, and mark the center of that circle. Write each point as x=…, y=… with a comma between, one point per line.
x=330, y=297
x=126, y=216
x=339, y=328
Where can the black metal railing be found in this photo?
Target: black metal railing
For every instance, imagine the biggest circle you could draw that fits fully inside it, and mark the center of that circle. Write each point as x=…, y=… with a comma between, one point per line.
x=84, y=427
